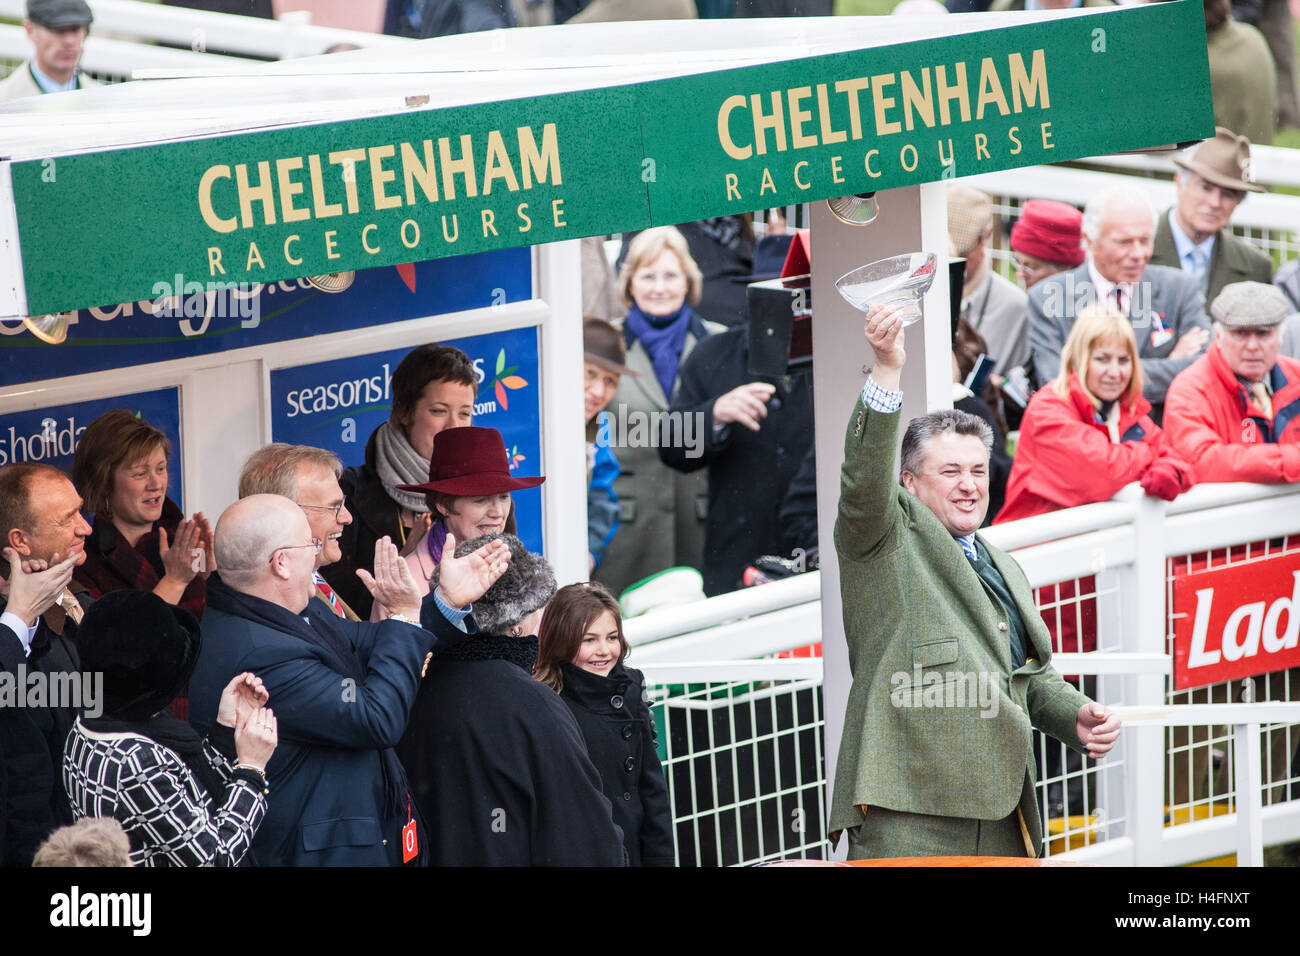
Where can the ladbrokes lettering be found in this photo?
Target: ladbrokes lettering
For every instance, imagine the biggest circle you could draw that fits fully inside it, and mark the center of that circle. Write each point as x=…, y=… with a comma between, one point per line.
x=1236, y=621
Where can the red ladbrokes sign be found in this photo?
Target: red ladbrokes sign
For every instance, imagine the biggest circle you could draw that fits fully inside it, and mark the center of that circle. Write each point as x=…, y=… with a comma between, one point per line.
x=1236, y=621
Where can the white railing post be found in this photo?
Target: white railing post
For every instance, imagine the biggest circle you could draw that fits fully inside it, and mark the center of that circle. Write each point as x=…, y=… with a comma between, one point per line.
x=1145, y=608
x=1249, y=774
x=295, y=24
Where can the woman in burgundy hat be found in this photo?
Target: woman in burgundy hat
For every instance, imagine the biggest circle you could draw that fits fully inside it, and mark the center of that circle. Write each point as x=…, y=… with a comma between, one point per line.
x=468, y=490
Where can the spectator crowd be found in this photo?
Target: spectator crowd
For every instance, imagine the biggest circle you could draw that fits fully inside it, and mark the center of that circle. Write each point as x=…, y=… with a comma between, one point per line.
x=365, y=666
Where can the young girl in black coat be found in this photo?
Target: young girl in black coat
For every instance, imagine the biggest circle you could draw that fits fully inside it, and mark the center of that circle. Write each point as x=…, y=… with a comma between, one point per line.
x=580, y=655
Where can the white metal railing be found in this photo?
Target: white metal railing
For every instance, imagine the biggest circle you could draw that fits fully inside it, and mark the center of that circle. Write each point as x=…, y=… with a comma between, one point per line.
x=1268, y=220
x=741, y=744
x=1127, y=545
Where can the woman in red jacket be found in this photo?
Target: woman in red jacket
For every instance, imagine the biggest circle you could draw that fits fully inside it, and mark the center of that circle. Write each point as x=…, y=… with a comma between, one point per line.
x=1088, y=433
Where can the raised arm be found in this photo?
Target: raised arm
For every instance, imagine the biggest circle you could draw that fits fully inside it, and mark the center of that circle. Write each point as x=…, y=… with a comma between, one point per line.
x=868, y=485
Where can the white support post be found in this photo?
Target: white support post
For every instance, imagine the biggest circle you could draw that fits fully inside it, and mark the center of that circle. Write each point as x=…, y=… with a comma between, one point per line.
x=564, y=453
x=1145, y=749
x=295, y=23
x=1250, y=832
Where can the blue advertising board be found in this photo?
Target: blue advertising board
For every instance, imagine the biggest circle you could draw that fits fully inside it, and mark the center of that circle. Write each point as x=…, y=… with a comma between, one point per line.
x=186, y=318
x=338, y=403
x=50, y=435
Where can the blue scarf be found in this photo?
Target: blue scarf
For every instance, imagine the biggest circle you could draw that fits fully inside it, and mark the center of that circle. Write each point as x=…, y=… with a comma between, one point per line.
x=663, y=337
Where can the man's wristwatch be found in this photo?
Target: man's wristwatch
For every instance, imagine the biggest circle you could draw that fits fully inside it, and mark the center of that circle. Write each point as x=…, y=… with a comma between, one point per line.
x=394, y=616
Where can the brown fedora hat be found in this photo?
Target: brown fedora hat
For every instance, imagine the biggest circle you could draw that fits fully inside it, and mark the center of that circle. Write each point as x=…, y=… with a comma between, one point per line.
x=471, y=461
x=1224, y=161
x=602, y=345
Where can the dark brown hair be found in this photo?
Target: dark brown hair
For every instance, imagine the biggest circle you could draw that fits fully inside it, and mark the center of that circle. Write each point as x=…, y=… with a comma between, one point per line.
x=428, y=363
x=567, y=618
x=113, y=439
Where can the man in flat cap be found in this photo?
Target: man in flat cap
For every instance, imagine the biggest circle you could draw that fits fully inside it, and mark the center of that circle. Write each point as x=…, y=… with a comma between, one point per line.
x=57, y=29
x=1235, y=412
x=1193, y=236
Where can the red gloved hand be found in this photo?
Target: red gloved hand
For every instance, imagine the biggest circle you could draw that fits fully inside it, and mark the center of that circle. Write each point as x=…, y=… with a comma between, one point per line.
x=1162, y=480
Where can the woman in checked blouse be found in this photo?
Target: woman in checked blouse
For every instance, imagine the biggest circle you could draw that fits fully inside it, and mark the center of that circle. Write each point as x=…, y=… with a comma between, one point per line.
x=183, y=800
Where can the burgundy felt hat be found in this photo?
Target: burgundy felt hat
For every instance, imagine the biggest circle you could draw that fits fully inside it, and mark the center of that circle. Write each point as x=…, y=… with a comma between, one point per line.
x=471, y=461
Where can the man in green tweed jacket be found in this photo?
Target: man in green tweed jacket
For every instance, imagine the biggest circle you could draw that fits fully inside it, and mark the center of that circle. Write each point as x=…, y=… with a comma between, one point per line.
x=950, y=659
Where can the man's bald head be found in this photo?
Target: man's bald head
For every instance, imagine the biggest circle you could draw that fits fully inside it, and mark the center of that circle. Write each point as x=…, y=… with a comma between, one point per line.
x=248, y=536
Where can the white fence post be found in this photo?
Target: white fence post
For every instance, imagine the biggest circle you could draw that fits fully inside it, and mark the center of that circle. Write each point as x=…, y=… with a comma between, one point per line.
x=1144, y=607
x=295, y=23
x=1250, y=830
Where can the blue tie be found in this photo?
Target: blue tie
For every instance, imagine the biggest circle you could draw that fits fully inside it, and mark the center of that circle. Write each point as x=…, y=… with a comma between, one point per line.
x=968, y=546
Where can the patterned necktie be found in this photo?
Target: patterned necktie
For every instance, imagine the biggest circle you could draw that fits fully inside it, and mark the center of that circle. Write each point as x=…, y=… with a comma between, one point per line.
x=1117, y=295
x=968, y=548
x=71, y=606
x=330, y=597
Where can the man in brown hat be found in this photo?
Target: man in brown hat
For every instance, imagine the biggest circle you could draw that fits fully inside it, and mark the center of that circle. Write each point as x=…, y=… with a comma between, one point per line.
x=57, y=29
x=1193, y=235
x=603, y=365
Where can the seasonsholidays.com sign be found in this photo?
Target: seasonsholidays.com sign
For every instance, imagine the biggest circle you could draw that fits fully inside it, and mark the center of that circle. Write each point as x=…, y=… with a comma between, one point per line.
x=1236, y=621
x=431, y=183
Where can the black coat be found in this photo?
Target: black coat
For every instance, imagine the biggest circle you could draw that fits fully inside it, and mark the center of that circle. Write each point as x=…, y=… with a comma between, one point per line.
x=615, y=721
x=749, y=472
x=497, y=764
x=31, y=744
x=374, y=515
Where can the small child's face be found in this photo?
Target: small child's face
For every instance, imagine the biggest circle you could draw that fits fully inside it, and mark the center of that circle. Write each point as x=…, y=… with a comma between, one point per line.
x=600, y=648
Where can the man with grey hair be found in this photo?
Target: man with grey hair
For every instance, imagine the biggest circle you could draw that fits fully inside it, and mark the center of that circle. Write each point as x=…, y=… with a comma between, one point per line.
x=1212, y=181
x=310, y=477
x=1164, y=305
x=341, y=690
x=1236, y=411
x=950, y=659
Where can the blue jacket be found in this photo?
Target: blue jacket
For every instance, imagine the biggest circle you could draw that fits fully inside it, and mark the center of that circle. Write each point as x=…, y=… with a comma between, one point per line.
x=326, y=805
x=602, y=503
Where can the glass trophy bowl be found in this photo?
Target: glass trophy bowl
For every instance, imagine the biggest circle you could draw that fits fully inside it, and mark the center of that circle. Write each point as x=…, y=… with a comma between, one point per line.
x=898, y=282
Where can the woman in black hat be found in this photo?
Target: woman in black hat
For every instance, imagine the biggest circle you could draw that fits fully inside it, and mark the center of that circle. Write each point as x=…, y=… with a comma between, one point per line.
x=183, y=800
x=496, y=762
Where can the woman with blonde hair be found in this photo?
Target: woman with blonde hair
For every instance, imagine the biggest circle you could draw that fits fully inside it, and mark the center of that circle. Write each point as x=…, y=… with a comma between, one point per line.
x=1089, y=433
x=662, y=512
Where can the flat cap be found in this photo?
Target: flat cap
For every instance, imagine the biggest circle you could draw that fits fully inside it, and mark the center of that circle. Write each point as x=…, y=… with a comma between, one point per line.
x=59, y=14
x=1244, y=305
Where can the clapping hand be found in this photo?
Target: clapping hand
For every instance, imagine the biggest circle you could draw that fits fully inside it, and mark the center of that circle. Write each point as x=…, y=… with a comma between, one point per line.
x=392, y=585
x=241, y=697
x=464, y=580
